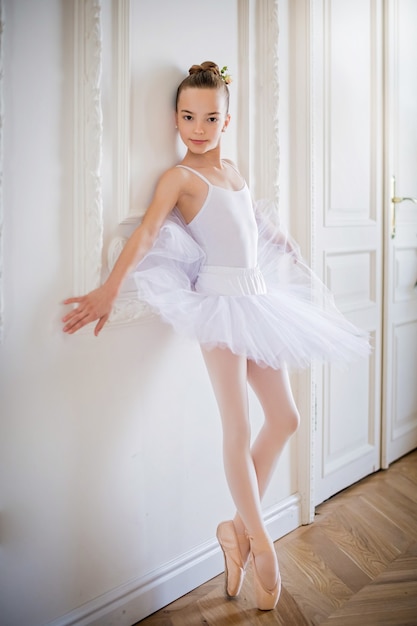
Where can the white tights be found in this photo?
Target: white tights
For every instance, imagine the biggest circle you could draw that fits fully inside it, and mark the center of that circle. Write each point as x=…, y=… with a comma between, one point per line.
x=249, y=470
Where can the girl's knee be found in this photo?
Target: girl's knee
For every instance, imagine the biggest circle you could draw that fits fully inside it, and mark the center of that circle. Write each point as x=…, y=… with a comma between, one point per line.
x=285, y=422
x=293, y=421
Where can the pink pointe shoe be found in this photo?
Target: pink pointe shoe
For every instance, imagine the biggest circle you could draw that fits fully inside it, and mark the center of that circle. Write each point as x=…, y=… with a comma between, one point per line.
x=266, y=599
x=233, y=563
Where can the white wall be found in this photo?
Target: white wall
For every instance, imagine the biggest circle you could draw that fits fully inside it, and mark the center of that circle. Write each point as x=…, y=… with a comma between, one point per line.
x=110, y=448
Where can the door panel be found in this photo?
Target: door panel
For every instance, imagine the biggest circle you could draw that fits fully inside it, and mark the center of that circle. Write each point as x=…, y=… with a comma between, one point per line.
x=347, y=228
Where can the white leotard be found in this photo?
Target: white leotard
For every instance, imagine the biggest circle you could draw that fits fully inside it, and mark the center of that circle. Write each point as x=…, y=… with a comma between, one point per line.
x=225, y=228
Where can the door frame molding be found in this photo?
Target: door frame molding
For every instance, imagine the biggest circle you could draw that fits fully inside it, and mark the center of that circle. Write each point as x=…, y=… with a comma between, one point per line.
x=302, y=102
x=392, y=447
x=390, y=13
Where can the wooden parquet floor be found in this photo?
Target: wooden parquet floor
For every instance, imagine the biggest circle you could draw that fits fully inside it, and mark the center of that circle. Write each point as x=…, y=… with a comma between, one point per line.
x=356, y=565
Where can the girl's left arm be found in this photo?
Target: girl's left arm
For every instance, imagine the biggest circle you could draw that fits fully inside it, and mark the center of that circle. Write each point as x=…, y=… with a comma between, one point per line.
x=270, y=229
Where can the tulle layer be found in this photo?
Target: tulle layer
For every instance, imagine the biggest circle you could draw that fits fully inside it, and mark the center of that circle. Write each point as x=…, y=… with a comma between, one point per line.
x=292, y=322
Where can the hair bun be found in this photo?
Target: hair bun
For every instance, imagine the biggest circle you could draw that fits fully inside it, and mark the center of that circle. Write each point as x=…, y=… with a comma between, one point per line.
x=206, y=76
x=207, y=66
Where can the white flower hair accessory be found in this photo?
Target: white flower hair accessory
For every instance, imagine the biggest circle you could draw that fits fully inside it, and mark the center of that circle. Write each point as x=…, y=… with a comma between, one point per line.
x=225, y=76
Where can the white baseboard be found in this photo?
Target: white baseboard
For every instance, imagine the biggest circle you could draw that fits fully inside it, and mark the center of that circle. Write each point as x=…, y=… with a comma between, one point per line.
x=137, y=599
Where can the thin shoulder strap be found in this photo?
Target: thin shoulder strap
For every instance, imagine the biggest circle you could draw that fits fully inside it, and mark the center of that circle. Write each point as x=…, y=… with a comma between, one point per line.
x=232, y=165
x=185, y=167
x=234, y=168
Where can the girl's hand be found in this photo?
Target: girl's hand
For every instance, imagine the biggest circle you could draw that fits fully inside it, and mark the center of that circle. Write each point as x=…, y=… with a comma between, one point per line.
x=95, y=305
x=293, y=248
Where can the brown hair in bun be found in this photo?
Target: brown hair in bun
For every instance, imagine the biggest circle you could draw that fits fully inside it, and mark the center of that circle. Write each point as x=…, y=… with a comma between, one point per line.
x=204, y=76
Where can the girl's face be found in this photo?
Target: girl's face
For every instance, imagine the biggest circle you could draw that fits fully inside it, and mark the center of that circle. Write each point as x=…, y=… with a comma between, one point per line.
x=201, y=117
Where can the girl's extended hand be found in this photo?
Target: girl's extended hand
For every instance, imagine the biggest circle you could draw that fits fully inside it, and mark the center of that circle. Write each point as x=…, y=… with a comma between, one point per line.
x=95, y=305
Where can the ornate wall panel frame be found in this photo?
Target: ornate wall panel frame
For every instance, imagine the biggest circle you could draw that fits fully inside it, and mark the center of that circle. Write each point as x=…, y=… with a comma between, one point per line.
x=258, y=142
x=266, y=142
x=88, y=131
x=1, y=170
x=121, y=168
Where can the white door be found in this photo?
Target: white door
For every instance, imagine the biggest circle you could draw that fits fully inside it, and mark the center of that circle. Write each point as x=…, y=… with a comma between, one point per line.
x=400, y=201
x=347, y=131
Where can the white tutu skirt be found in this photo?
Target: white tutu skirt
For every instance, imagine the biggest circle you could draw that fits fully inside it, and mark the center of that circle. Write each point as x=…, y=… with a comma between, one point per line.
x=278, y=314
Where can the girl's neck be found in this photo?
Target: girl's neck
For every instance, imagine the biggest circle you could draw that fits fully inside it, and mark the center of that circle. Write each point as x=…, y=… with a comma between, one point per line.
x=211, y=159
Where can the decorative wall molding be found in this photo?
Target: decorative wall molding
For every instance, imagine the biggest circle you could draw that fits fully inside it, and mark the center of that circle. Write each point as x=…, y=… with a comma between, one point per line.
x=245, y=107
x=88, y=130
x=121, y=56
x=127, y=309
x=267, y=96
x=303, y=198
x=258, y=143
x=1, y=170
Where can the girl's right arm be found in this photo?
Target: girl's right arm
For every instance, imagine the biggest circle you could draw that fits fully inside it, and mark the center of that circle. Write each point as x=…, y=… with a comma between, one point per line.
x=97, y=304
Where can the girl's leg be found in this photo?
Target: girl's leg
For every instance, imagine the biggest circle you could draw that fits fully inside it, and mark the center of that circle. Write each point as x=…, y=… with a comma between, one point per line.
x=273, y=390
x=228, y=374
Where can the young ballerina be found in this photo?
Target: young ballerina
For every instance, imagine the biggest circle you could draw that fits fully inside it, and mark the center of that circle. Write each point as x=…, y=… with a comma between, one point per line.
x=214, y=268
